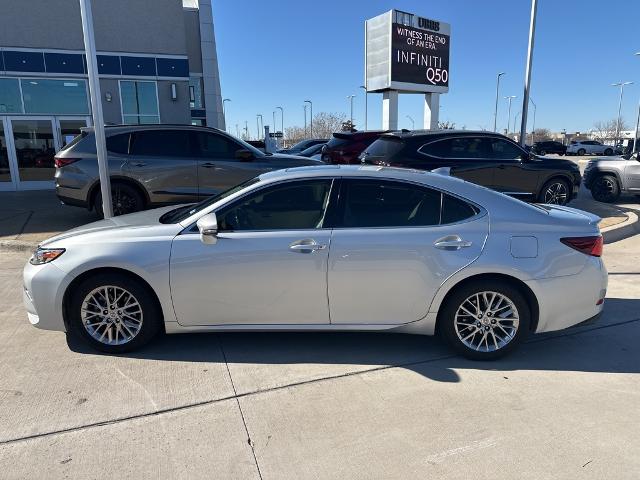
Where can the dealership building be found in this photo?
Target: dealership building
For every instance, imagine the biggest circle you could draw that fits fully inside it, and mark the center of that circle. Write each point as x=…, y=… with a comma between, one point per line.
x=157, y=63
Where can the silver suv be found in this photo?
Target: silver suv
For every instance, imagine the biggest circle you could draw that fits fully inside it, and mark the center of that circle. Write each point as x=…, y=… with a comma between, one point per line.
x=154, y=165
x=608, y=178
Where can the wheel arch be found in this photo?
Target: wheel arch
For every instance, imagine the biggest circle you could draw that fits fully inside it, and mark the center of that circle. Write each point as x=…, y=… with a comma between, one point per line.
x=555, y=176
x=598, y=172
x=95, y=188
x=526, y=291
x=102, y=270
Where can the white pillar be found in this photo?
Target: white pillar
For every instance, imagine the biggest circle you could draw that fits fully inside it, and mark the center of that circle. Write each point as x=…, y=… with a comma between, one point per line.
x=431, y=111
x=390, y=110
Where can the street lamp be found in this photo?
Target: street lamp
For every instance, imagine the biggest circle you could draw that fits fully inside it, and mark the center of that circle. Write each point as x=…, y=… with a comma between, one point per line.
x=350, y=97
x=533, y=129
x=527, y=75
x=495, y=112
x=311, y=115
x=366, y=107
x=413, y=124
x=515, y=120
x=509, y=98
x=224, y=112
x=621, y=85
x=305, y=119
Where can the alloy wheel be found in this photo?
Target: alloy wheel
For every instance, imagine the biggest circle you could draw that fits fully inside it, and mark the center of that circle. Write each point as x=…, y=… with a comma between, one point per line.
x=111, y=315
x=123, y=202
x=486, y=321
x=556, y=193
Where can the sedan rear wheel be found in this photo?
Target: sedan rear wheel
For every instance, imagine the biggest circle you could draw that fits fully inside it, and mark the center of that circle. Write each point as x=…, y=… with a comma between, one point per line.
x=582, y=151
x=114, y=313
x=555, y=192
x=485, y=320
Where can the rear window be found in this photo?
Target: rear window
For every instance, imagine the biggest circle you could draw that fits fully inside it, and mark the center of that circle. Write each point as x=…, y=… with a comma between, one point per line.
x=118, y=143
x=161, y=143
x=73, y=142
x=384, y=147
x=338, y=142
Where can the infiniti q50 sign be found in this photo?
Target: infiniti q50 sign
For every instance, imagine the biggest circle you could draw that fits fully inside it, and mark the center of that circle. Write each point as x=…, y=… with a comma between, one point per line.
x=419, y=56
x=407, y=53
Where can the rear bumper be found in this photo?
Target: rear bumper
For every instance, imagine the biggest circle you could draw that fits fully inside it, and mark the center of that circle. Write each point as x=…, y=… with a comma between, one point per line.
x=75, y=202
x=570, y=300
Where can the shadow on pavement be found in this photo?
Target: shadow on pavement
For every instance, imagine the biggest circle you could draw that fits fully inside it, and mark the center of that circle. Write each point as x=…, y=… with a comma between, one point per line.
x=606, y=346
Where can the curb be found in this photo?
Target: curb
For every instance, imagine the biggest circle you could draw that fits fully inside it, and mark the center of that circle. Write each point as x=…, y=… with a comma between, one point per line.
x=622, y=230
x=17, y=246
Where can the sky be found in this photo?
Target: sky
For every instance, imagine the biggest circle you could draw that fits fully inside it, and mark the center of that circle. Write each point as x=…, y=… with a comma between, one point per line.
x=282, y=52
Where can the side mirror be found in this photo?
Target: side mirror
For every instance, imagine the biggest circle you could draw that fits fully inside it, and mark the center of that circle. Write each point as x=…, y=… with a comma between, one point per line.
x=208, y=228
x=244, y=155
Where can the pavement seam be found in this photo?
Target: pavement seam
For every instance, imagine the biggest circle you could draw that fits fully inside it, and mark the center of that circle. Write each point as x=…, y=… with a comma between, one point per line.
x=281, y=387
x=235, y=395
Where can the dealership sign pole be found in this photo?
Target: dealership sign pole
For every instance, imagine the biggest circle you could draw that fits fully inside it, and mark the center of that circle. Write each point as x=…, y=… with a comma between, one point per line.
x=96, y=106
x=405, y=53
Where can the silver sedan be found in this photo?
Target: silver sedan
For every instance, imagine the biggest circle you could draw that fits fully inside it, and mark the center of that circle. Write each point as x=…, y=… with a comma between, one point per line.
x=326, y=248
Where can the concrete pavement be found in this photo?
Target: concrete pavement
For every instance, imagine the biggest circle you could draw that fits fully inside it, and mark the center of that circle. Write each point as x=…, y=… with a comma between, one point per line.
x=324, y=405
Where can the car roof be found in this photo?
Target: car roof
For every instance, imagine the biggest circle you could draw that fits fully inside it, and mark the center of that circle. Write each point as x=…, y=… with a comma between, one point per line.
x=408, y=134
x=115, y=129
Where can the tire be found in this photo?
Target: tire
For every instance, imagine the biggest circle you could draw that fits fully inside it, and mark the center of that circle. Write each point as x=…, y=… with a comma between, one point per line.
x=477, y=338
x=608, y=152
x=556, y=191
x=582, y=152
x=110, y=334
x=605, y=188
x=125, y=199
x=543, y=153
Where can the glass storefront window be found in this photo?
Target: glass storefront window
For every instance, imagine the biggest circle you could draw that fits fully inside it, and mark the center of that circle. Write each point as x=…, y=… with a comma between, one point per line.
x=35, y=149
x=139, y=102
x=59, y=97
x=5, y=173
x=10, y=101
x=195, y=92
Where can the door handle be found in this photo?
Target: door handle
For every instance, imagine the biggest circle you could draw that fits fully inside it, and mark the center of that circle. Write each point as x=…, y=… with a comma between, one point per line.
x=139, y=164
x=208, y=165
x=306, y=246
x=452, y=242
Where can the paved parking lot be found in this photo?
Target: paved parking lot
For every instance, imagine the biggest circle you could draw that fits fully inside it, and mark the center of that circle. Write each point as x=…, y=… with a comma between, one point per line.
x=324, y=405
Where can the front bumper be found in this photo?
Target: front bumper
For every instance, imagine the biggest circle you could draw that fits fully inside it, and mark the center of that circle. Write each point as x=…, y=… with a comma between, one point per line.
x=43, y=290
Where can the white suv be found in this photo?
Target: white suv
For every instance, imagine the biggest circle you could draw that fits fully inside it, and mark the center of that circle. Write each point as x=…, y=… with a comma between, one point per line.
x=585, y=147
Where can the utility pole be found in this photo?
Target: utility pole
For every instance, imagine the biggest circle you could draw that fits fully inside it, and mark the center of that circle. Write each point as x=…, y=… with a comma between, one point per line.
x=224, y=112
x=495, y=111
x=509, y=98
x=533, y=130
x=305, y=119
x=366, y=107
x=527, y=75
x=96, y=107
x=281, y=121
x=311, y=115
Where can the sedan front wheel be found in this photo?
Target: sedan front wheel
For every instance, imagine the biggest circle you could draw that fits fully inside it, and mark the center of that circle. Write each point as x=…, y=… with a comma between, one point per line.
x=485, y=320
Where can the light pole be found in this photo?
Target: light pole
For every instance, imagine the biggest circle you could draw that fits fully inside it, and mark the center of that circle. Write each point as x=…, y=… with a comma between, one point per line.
x=305, y=119
x=509, y=98
x=413, y=124
x=311, y=116
x=237, y=131
x=246, y=129
x=366, y=107
x=258, y=122
x=533, y=129
x=224, y=112
x=527, y=75
x=495, y=111
x=635, y=134
x=621, y=85
x=515, y=121
x=350, y=97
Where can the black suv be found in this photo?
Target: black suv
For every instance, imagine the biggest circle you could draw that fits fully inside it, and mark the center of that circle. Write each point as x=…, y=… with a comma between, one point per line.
x=485, y=158
x=550, y=146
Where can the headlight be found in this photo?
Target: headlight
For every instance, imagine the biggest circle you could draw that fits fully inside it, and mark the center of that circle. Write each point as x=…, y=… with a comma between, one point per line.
x=45, y=255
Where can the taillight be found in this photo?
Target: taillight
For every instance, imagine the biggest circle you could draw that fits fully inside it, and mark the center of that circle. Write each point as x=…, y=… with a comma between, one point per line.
x=63, y=162
x=587, y=245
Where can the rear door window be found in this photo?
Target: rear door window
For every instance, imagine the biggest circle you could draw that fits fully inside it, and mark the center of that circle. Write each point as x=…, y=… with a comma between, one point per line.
x=210, y=145
x=503, y=150
x=161, y=143
x=463, y=148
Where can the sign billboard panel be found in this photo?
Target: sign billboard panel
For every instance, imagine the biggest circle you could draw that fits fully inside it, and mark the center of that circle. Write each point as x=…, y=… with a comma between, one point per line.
x=407, y=53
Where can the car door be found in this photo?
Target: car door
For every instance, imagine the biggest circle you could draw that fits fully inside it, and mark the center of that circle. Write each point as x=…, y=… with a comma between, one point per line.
x=513, y=175
x=393, y=245
x=632, y=173
x=466, y=156
x=268, y=266
x=161, y=161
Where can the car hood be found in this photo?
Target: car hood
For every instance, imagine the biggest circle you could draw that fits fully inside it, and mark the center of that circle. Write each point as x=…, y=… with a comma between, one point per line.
x=608, y=161
x=555, y=163
x=144, y=219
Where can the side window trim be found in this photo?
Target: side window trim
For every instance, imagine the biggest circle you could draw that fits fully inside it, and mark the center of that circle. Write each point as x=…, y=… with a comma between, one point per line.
x=484, y=148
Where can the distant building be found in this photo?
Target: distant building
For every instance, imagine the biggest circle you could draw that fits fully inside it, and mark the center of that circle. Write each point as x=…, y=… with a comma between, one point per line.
x=157, y=63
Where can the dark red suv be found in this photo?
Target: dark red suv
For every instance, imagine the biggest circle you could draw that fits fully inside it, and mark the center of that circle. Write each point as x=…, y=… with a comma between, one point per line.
x=345, y=147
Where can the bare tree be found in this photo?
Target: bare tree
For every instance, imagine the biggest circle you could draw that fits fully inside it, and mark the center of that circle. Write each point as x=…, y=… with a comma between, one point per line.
x=608, y=130
x=446, y=125
x=324, y=125
x=542, y=134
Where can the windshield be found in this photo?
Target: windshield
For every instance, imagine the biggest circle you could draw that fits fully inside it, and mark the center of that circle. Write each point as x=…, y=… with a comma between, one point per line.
x=179, y=214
